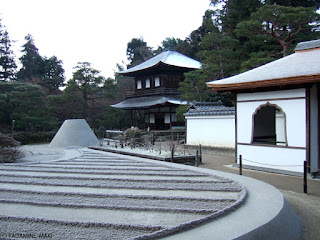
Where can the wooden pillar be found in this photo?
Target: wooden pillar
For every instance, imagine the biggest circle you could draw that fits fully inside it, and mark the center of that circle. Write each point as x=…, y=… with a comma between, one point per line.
x=170, y=118
x=236, y=128
x=308, y=126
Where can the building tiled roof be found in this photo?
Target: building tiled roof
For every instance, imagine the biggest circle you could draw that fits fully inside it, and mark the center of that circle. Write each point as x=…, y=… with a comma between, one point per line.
x=146, y=102
x=299, y=67
x=209, y=109
x=308, y=45
x=171, y=58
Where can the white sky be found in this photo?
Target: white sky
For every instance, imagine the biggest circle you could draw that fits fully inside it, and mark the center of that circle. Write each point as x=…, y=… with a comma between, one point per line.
x=97, y=31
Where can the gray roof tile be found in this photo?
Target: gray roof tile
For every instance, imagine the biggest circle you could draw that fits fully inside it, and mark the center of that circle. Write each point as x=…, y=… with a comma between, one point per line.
x=209, y=109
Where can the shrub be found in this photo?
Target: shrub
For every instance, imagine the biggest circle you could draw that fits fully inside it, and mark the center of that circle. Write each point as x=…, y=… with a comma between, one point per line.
x=133, y=132
x=38, y=137
x=8, y=151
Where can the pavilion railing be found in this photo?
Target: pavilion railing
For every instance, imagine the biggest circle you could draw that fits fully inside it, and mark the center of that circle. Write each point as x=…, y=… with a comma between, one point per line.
x=154, y=91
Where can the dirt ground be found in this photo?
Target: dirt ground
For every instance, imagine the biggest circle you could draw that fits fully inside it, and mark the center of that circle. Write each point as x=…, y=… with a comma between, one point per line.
x=307, y=206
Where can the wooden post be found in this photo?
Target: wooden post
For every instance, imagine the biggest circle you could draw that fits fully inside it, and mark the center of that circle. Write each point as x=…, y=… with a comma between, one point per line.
x=197, y=159
x=240, y=165
x=172, y=151
x=305, y=170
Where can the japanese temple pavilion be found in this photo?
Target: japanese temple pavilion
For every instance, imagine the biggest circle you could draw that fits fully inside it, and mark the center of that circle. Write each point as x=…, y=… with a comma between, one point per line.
x=278, y=111
x=156, y=88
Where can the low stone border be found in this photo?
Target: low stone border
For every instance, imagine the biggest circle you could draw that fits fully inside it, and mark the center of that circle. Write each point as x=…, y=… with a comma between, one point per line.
x=190, y=159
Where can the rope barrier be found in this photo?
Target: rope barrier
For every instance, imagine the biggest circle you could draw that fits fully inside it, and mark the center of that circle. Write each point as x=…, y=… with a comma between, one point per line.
x=305, y=169
x=274, y=165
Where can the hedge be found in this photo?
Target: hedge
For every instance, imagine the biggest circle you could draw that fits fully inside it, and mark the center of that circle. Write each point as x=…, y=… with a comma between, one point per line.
x=37, y=137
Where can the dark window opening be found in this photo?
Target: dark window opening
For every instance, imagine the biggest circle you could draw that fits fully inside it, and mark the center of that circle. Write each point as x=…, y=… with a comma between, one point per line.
x=269, y=126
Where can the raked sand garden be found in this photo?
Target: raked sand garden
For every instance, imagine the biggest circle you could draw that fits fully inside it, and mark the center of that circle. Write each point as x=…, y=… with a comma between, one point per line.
x=88, y=194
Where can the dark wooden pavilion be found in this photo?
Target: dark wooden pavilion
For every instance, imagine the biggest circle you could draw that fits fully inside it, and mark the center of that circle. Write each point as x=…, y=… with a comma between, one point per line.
x=156, y=88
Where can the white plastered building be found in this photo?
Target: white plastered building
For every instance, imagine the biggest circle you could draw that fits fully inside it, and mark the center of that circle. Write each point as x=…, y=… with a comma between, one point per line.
x=210, y=124
x=278, y=112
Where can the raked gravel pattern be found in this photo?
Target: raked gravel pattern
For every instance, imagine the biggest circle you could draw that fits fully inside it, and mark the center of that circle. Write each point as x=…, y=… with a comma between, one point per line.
x=106, y=196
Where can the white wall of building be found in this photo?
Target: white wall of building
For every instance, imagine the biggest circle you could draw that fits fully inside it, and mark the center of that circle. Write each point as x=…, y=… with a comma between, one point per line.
x=287, y=159
x=293, y=104
x=213, y=131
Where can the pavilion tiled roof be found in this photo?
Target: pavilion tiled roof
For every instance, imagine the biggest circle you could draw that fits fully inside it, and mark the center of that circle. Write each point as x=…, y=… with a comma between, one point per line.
x=170, y=58
x=146, y=102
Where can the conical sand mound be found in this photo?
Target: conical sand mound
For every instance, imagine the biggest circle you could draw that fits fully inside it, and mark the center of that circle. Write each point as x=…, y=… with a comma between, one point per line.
x=74, y=132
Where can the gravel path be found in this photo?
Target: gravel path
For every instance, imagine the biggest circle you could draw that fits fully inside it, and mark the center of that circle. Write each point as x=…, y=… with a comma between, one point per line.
x=103, y=196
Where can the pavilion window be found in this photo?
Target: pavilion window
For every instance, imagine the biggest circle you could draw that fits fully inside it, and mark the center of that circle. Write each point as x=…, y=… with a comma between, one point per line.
x=157, y=82
x=269, y=126
x=152, y=118
x=148, y=83
x=139, y=84
x=167, y=118
x=174, y=117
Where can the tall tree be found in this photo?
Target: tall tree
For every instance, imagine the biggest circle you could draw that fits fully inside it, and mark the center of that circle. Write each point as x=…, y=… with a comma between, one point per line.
x=282, y=24
x=219, y=52
x=92, y=86
x=46, y=72
x=31, y=62
x=138, y=52
x=234, y=11
x=52, y=75
x=295, y=3
x=169, y=44
x=7, y=63
x=194, y=87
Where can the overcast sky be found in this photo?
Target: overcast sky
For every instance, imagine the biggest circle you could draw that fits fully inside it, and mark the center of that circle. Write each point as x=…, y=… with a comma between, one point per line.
x=97, y=31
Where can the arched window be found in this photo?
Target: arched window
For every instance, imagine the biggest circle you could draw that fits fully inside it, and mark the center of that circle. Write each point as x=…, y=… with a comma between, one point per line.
x=157, y=82
x=148, y=83
x=269, y=125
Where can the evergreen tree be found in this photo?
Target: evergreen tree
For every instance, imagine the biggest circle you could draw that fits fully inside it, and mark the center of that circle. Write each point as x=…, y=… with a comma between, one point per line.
x=31, y=62
x=25, y=103
x=138, y=52
x=7, y=63
x=92, y=87
x=233, y=12
x=295, y=3
x=169, y=44
x=283, y=24
x=219, y=52
x=46, y=72
x=52, y=75
x=194, y=87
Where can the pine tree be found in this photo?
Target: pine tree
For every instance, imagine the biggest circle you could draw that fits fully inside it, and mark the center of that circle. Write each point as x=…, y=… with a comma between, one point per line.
x=52, y=75
x=283, y=24
x=138, y=52
x=7, y=64
x=31, y=62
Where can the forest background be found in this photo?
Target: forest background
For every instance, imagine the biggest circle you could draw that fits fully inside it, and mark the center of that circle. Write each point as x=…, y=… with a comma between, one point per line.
x=239, y=35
